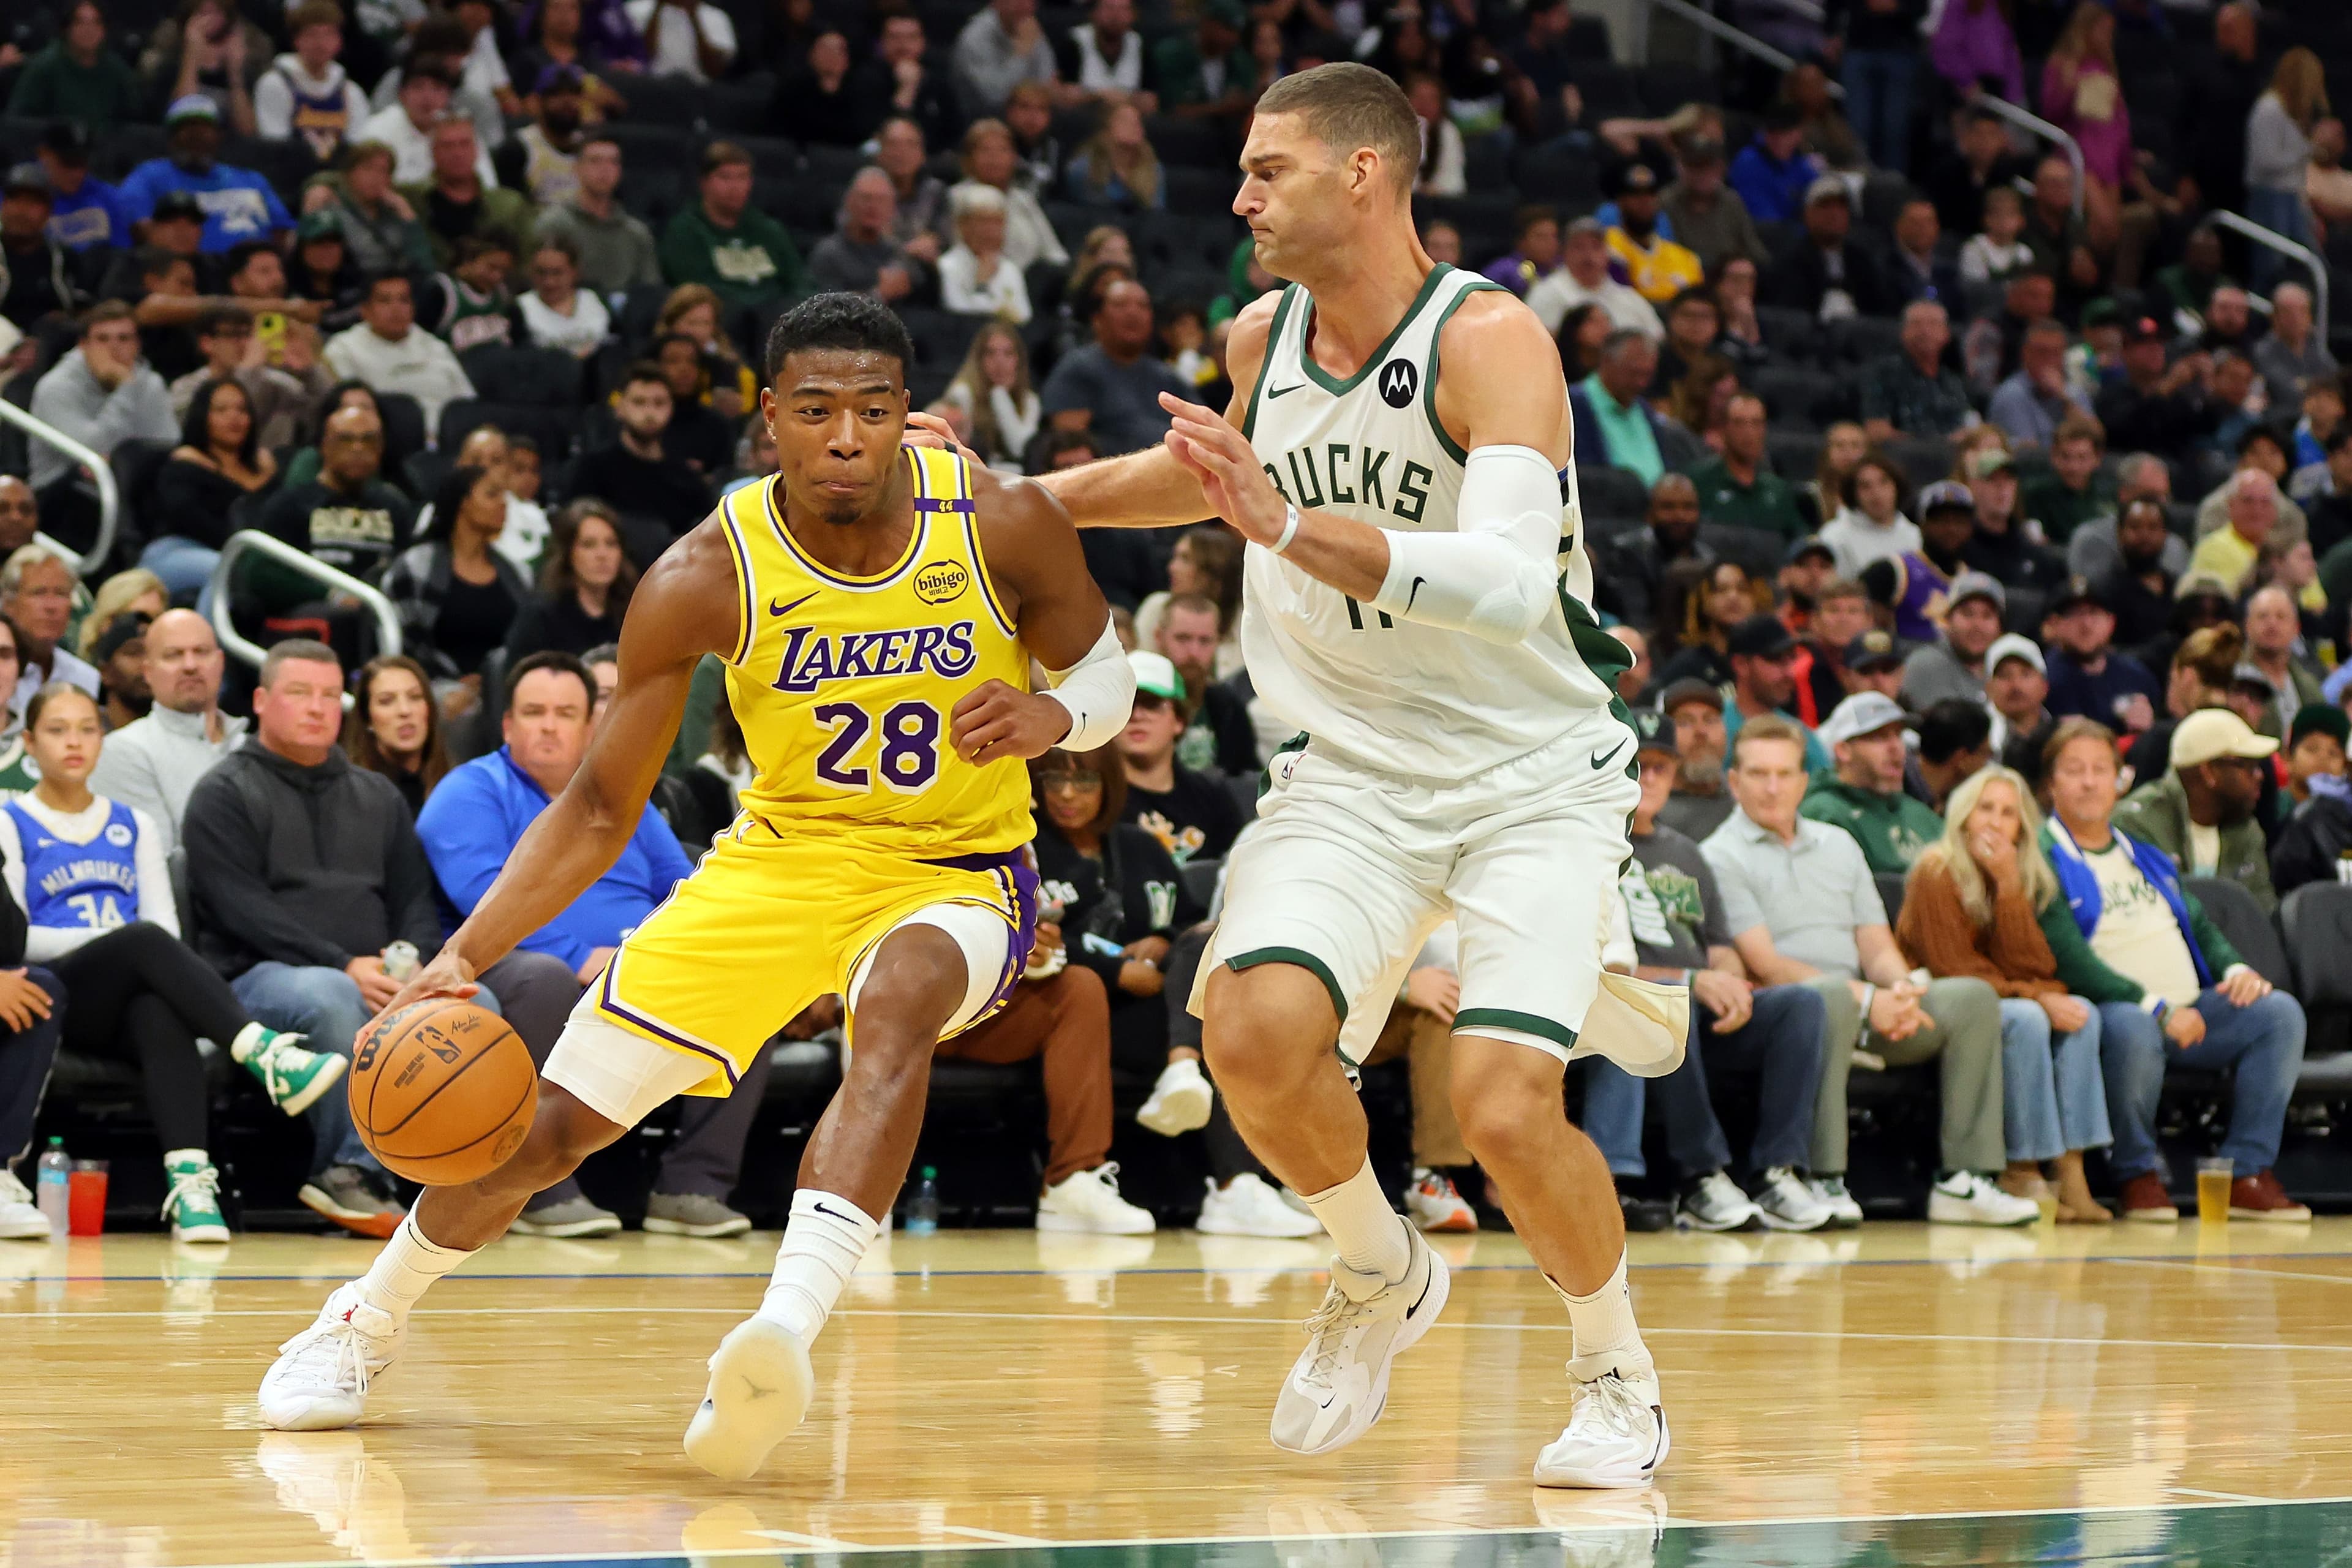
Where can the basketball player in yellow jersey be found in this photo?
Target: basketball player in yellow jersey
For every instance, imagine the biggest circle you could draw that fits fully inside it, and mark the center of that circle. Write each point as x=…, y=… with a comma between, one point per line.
x=877, y=606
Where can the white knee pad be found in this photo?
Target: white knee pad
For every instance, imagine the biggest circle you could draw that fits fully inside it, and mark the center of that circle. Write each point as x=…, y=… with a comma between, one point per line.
x=984, y=937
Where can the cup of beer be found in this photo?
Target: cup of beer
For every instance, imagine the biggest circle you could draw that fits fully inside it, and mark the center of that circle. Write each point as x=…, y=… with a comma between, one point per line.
x=2213, y=1178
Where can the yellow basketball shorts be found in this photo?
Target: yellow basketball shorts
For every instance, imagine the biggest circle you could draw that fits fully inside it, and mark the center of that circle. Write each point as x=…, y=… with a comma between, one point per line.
x=773, y=919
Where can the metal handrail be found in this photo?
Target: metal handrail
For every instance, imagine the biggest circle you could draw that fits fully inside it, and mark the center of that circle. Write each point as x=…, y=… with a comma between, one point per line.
x=2273, y=240
x=1715, y=26
x=109, y=494
x=252, y=541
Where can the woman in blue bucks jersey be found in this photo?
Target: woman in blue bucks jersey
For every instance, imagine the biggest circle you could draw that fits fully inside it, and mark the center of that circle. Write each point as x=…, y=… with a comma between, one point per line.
x=90, y=873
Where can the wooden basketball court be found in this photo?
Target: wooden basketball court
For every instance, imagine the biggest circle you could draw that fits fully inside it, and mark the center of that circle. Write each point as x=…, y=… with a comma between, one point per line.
x=1897, y=1395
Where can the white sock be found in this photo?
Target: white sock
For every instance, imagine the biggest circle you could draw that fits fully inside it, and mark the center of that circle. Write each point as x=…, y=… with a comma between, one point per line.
x=823, y=1241
x=1372, y=1234
x=406, y=1269
x=1602, y=1322
x=248, y=1040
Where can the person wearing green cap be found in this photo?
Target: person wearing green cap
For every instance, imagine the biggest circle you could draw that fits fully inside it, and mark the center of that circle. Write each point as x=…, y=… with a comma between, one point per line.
x=1190, y=813
x=2316, y=838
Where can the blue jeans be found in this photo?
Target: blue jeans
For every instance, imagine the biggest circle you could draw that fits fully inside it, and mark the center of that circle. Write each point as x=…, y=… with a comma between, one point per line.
x=2052, y=1097
x=185, y=566
x=326, y=1005
x=1781, y=1044
x=1878, y=104
x=2282, y=211
x=2260, y=1046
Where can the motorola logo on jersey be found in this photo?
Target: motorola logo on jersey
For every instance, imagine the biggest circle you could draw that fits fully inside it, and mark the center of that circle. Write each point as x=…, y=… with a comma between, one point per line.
x=1399, y=380
x=812, y=658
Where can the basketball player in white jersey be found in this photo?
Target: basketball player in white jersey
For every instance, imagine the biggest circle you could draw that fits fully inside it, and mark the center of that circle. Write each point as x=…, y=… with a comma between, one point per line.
x=1416, y=603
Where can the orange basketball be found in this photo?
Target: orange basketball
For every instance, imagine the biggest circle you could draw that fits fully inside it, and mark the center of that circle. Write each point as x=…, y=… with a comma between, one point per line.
x=442, y=1092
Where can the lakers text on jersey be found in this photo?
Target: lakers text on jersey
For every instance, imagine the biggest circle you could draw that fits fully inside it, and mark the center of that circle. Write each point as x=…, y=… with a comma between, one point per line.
x=861, y=813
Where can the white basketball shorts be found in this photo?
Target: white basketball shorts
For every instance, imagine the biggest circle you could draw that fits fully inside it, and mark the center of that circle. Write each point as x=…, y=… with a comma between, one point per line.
x=1350, y=869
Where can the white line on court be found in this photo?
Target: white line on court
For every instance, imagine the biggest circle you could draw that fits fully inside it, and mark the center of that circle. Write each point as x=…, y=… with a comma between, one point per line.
x=997, y=1536
x=2234, y=1269
x=2225, y=1497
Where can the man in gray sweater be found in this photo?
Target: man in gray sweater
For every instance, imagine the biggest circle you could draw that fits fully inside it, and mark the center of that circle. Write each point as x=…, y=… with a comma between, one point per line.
x=616, y=251
x=860, y=257
x=153, y=763
x=305, y=869
x=101, y=394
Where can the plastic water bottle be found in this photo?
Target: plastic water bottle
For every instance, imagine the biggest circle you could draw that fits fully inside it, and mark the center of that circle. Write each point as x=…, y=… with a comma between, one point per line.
x=923, y=1208
x=51, y=1187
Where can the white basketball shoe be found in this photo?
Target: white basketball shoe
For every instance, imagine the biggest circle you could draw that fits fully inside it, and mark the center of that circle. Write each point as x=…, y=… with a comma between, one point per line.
x=320, y=1381
x=760, y=1384
x=1340, y=1383
x=1617, y=1438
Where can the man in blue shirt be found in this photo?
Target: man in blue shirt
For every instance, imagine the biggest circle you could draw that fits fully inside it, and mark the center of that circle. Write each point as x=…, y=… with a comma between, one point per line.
x=472, y=822
x=1772, y=174
x=238, y=204
x=83, y=211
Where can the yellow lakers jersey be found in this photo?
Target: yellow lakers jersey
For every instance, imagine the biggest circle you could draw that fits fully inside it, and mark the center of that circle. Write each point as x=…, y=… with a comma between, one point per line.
x=843, y=684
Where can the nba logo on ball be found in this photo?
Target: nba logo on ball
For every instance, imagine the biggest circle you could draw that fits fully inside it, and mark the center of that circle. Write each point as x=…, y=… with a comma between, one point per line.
x=1399, y=381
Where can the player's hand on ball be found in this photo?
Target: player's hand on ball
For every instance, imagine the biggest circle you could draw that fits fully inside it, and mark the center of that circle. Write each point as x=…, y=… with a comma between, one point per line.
x=1231, y=477
x=995, y=721
x=447, y=976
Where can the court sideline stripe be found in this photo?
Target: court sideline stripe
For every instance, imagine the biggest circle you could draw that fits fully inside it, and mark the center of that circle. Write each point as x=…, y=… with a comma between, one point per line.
x=1634, y=1520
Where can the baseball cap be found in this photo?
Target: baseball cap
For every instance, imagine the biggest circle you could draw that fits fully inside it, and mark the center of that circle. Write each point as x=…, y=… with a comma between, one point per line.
x=67, y=141
x=1945, y=493
x=1810, y=545
x=1690, y=688
x=1863, y=714
x=2009, y=645
x=2210, y=733
x=29, y=177
x=1874, y=649
x=2319, y=719
x=1155, y=675
x=125, y=627
x=320, y=225
x=2104, y=311
x=1992, y=460
x=1978, y=586
x=2077, y=590
x=1762, y=635
x=2145, y=329
x=192, y=106
x=1635, y=178
x=1653, y=732
x=177, y=205
x=1828, y=188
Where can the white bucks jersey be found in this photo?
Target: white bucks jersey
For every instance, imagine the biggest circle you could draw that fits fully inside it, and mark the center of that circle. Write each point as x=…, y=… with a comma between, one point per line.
x=1384, y=693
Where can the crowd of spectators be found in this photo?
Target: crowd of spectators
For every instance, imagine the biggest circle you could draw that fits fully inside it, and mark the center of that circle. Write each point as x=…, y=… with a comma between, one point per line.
x=1967, y=523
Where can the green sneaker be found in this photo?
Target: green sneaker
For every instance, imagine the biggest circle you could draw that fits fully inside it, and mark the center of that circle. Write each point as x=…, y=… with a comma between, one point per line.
x=193, y=1203
x=293, y=1078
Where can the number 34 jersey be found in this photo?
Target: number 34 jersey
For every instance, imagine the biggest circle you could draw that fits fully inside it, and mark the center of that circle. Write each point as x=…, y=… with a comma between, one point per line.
x=843, y=684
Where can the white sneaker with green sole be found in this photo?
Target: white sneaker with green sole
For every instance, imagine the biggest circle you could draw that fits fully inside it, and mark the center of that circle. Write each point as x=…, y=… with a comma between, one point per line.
x=192, y=1202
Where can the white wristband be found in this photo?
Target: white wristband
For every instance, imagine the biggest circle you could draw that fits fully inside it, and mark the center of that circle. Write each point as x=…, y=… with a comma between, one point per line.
x=1289, y=528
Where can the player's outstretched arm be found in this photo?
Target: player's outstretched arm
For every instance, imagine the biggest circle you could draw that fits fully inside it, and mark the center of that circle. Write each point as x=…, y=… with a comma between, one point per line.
x=1151, y=489
x=683, y=609
x=1040, y=573
x=1496, y=576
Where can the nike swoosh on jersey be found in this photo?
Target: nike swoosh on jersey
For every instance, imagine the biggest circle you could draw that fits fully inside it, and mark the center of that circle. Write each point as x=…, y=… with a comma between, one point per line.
x=1600, y=763
x=776, y=609
x=1274, y=392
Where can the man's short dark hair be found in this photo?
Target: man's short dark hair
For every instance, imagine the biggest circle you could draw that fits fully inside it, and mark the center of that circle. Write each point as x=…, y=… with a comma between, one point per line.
x=471, y=247
x=107, y=310
x=428, y=67
x=724, y=154
x=68, y=143
x=644, y=370
x=853, y=323
x=154, y=260
x=555, y=660
x=521, y=444
x=378, y=279
x=215, y=320
x=1956, y=724
x=1528, y=217
x=240, y=255
x=296, y=651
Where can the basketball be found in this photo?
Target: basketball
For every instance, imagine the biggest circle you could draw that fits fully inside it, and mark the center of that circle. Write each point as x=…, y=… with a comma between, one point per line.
x=443, y=1092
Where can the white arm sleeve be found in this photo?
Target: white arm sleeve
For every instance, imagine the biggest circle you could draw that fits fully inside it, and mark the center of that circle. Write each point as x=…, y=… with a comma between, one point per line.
x=1099, y=690
x=1497, y=575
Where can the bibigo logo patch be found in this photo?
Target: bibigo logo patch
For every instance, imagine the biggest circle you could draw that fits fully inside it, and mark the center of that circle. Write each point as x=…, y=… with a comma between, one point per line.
x=937, y=584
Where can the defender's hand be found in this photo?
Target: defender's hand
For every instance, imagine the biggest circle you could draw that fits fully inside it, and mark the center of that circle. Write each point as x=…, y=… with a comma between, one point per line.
x=447, y=976
x=995, y=721
x=1231, y=478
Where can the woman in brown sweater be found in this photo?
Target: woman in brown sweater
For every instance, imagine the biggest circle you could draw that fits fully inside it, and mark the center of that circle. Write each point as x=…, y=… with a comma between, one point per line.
x=1971, y=909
